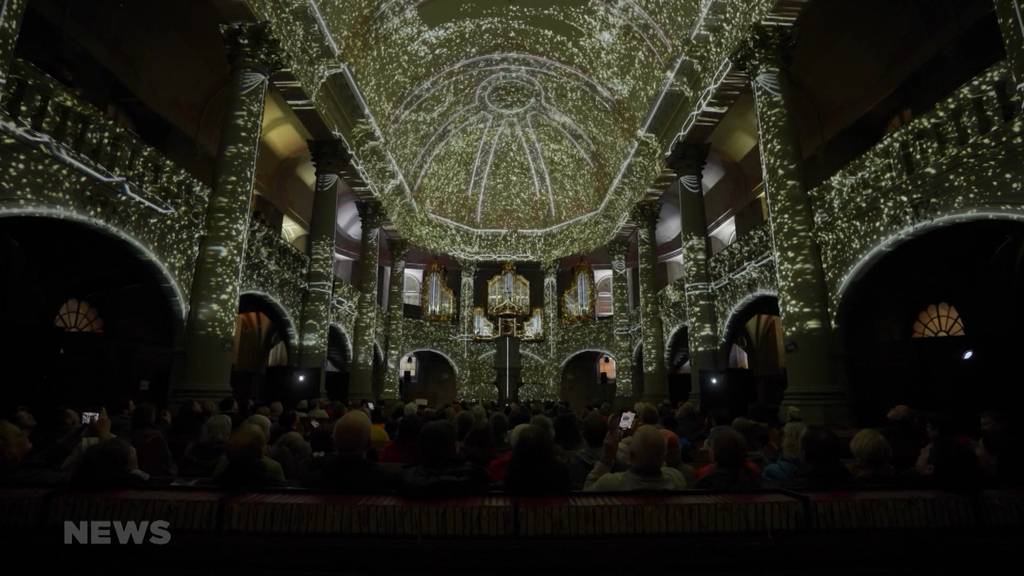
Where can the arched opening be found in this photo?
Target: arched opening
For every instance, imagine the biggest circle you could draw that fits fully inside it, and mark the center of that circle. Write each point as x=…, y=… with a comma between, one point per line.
x=90, y=316
x=261, y=348
x=679, y=365
x=756, y=374
x=932, y=323
x=638, y=372
x=588, y=377
x=339, y=363
x=426, y=375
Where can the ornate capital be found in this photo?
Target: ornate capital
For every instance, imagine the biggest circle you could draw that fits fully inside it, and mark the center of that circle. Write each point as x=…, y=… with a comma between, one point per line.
x=252, y=47
x=371, y=213
x=399, y=248
x=618, y=248
x=688, y=160
x=550, y=267
x=467, y=267
x=646, y=212
x=763, y=50
x=329, y=156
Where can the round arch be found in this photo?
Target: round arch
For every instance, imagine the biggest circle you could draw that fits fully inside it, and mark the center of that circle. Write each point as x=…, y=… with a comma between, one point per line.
x=587, y=376
x=339, y=343
x=432, y=375
x=93, y=314
x=762, y=301
x=275, y=311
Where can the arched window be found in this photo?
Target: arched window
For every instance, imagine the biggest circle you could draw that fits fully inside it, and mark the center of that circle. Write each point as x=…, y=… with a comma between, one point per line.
x=408, y=365
x=78, y=316
x=411, y=290
x=605, y=301
x=937, y=321
x=607, y=366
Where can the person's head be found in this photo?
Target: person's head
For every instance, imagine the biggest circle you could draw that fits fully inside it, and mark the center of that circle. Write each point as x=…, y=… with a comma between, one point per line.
x=25, y=420
x=228, y=405
x=123, y=407
x=871, y=450
x=288, y=421
x=436, y=445
x=105, y=463
x=647, y=450
x=217, y=428
x=263, y=410
x=409, y=429
x=261, y=422
x=276, y=409
x=248, y=445
x=499, y=427
x=567, y=431
x=411, y=409
x=533, y=446
x=595, y=428
x=820, y=447
x=791, y=434
x=899, y=413
x=673, y=452
x=352, y=434
x=544, y=423
x=728, y=448
x=646, y=414
x=464, y=423
x=144, y=416
x=14, y=445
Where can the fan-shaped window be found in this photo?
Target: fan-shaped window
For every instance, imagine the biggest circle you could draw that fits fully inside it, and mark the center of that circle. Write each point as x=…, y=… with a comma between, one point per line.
x=605, y=306
x=78, y=316
x=938, y=320
x=411, y=290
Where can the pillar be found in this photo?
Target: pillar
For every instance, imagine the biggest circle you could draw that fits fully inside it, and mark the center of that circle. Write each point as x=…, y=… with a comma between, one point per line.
x=396, y=312
x=621, y=340
x=645, y=214
x=11, y=14
x=801, y=282
x=329, y=158
x=213, y=306
x=361, y=381
x=467, y=293
x=688, y=160
x=551, y=305
x=1010, y=14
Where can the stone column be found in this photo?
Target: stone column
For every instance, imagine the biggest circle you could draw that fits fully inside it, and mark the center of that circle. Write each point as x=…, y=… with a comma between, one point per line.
x=396, y=312
x=468, y=275
x=213, y=306
x=645, y=214
x=329, y=157
x=687, y=160
x=551, y=306
x=361, y=381
x=11, y=13
x=801, y=282
x=622, y=342
x=1011, y=21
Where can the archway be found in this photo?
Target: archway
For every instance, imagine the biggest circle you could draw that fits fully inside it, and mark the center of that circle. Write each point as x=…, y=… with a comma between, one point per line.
x=427, y=375
x=932, y=323
x=754, y=345
x=588, y=377
x=339, y=363
x=91, y=315
x=263, y=344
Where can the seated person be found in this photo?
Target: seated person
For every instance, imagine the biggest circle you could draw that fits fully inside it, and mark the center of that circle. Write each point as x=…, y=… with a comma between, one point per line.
x=728, y=451
x=440, y=472
x=534, y=470
x=14, y=449
x=110, y=464
x=348, y=469
x=246, y=464
x=201, y=458
x=647, y=469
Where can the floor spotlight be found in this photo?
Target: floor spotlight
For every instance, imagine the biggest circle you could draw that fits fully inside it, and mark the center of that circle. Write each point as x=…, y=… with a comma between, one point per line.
x=302, y=377
x=968, y=355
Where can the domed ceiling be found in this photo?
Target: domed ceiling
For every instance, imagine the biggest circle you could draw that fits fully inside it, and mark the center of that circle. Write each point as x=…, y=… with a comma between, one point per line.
x=508, y=129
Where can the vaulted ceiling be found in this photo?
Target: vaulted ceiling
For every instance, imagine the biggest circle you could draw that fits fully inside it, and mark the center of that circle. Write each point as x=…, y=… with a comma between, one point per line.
x=509, y=127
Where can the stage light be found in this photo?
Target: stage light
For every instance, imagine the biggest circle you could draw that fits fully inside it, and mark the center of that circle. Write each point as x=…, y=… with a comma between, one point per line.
x=968, y=355
x=714, y=380
x=302, y=377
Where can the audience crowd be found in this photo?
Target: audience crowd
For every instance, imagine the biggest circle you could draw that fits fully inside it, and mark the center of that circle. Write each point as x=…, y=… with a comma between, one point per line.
x=527, y=449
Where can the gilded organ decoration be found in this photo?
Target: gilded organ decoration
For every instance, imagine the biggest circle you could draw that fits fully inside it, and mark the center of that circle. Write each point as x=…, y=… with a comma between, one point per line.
x=579, y=300
x=533, y=329
x=508, y=293
x=437, y=299
x=483, y=329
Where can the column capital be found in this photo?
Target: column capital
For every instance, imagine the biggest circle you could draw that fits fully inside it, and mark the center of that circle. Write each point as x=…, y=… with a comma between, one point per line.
x=371, y=213
x=398, y=247
x=688, y=161
x=466, y=267
x=618, y=248
x=550, y=267
x=646, y=212
x=252, y=46
x=329, y=156
x=763, y=49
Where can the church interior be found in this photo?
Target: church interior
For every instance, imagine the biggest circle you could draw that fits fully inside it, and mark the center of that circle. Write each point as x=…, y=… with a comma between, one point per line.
x=301, y=285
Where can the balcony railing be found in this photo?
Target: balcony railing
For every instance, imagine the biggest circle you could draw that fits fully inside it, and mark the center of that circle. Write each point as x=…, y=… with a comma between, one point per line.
x=275, y=267
x=45, y=113
x=749, y=250
x=972, y=111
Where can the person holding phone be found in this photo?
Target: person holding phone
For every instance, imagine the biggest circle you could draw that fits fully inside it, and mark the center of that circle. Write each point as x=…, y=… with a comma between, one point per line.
x=647, y=469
